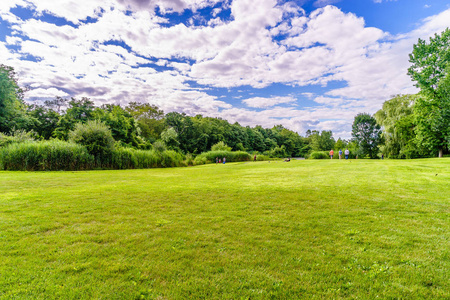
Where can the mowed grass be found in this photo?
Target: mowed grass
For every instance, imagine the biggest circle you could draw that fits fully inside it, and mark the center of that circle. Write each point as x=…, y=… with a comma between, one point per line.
x=352, y=229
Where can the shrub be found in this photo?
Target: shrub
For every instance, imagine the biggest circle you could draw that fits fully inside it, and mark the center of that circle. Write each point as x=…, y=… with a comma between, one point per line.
x=127, y=158
x=189, y=160
x=319, y=155
x=231, y=156
x=159, y=146
x=51, y=155
x=220, y=146
x=96, y=137
x=279, y=152
x=260, y=157
x=17, y=136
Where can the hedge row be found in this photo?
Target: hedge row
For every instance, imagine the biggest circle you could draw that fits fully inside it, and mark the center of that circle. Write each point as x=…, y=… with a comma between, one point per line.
x=48, y=155
x=59, y=155
x=231, y=156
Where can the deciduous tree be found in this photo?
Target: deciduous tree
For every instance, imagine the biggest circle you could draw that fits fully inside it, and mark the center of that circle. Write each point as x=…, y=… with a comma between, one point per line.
x=367, y=133
x=430, y=70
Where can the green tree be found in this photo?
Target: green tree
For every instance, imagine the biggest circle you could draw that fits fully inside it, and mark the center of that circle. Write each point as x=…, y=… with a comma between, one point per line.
x=398, y=122
x=322, y=141
x=340, y=144
x=430, y=70
x=121, y=123
x=367, y=133
x=79, y=111
x=12, y=107
x=170, y=139
x=46, y=120
x=150, y=119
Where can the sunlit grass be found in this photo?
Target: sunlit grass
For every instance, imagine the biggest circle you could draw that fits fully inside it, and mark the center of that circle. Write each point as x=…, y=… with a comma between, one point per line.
x=256, y=230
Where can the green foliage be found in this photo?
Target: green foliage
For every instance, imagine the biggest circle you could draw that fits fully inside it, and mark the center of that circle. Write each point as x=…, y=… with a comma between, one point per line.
x=279, y=152
x=367, y=133
x=321, y=141
x=150, y=119
x=12, y=107
x=17, y=136
x=79, y=111
x=60, y=155
x=340, y=144
x=398, y=123
x=319, y=155
x=127, y=158
x=220, y=146
x=432, y=119
x=51, y=155
x=188, y=136
x=120, y=122
x=159, y=146
x=95, y=136
x=430, y=70
x=170, y=139
x=231, y=156
x=430, y=63
x=46, y=120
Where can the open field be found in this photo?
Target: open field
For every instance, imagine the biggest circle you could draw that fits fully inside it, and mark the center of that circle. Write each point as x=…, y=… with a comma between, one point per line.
x=305, y=229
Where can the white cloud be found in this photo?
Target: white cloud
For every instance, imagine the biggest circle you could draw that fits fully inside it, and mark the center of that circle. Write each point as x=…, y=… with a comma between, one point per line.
x=46, y=93
x=261, y=102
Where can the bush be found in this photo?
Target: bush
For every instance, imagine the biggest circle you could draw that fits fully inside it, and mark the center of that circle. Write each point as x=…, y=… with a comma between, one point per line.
x=96, y=137
x=231, y=156
x=260, y=157
x=279, y=152
x=159, y=146
x=51, y=155
x=189, y=160
x=319, y=155
x=17, y=136
x=58, y=155
x=220, y=146
x=127, y=158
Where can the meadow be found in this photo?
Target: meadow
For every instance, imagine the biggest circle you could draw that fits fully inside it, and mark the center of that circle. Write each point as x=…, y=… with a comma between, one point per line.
x=307, y=229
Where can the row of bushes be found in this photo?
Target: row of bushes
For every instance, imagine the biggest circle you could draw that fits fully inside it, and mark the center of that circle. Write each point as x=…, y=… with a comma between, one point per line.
x=231, y=156
x=326, y=155
x=59, y=155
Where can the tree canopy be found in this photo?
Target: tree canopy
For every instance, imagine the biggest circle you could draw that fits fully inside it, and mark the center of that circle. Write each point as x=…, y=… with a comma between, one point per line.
x=430, y=70
x=367, y=133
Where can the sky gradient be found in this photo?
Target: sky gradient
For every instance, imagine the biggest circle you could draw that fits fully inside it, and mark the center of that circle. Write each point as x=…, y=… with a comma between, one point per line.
x=305, y=64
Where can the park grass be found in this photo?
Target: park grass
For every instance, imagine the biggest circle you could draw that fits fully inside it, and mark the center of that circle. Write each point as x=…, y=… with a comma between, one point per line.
x=306, y=229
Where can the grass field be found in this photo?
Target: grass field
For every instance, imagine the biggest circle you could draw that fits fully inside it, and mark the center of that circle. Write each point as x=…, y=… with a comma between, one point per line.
x=352, y=229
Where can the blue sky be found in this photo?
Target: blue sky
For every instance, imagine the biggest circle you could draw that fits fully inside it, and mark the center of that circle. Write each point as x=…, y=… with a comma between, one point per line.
x=305, y=64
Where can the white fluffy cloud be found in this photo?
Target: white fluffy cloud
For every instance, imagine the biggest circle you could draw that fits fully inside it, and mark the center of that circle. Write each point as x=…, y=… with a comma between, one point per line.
x=261, y=102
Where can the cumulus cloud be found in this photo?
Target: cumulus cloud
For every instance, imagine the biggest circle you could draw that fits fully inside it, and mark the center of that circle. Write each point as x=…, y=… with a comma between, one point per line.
x=38, y=93
x=261, y=102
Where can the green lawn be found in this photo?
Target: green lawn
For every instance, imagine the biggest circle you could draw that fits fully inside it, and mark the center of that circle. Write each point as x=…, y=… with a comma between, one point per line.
x=258, y=230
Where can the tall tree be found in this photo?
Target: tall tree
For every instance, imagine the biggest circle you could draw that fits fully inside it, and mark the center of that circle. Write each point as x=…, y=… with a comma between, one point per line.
x=12, y=107
x=121, y=123
x=46, y=120
x=321, y=141
x=367, y=133
x=397, y=121
x=78, y=111
x=150, y=119
x=430, y=70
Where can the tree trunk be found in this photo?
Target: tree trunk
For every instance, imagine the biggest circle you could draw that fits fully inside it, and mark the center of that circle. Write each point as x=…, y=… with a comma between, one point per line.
x=441, y=152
